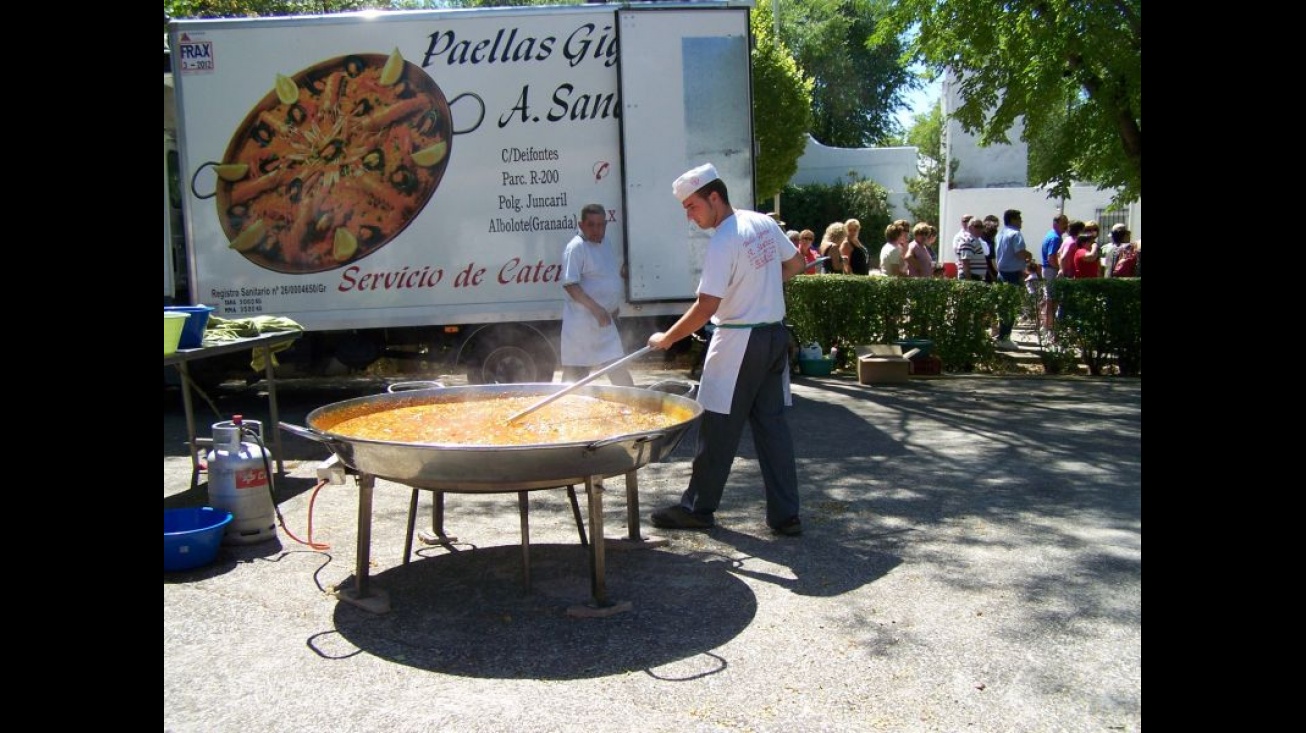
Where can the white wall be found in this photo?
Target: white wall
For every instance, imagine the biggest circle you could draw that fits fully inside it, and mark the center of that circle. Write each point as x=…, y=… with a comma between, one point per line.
x=886, y=166
x=997, y=166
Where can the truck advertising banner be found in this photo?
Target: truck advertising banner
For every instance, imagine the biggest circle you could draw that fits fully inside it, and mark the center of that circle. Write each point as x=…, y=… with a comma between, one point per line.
x=418, y=168
x=351, y=172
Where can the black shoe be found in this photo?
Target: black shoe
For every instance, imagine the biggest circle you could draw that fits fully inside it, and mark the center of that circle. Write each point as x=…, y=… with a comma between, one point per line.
x=678, y=517
x=791, y=527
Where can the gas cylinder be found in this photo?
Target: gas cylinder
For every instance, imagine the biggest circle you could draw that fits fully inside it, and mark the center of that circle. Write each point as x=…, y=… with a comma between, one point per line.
x=239, y=481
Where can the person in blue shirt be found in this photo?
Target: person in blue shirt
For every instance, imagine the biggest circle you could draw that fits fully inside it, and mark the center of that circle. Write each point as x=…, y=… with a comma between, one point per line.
x=1051, y=243
x=1010, y=256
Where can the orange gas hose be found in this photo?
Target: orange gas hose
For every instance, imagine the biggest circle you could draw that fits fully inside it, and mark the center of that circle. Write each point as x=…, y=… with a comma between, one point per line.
x=311, y=499
x=281, y=520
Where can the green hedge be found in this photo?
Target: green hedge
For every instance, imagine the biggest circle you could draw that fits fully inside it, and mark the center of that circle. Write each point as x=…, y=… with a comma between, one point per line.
x=1101, y=322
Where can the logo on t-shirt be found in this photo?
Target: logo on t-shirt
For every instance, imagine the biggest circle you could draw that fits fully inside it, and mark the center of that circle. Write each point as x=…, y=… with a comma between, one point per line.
x=760, y=250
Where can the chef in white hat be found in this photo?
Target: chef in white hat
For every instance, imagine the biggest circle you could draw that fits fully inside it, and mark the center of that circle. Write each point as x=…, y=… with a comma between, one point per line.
x=745, y=377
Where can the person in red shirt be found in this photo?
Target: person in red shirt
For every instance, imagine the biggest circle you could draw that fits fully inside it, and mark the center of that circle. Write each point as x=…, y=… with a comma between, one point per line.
x=809, y=254
x=808, y=239
x=1086, y=255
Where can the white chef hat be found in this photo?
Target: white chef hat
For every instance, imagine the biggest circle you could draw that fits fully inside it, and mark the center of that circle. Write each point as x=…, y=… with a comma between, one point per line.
x=694, y=179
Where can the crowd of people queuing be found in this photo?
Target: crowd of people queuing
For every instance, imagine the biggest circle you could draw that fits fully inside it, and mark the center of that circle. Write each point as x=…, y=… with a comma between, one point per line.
x=985, y=249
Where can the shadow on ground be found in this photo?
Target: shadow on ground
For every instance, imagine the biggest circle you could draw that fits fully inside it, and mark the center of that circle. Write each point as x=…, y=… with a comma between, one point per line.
x=467, y=613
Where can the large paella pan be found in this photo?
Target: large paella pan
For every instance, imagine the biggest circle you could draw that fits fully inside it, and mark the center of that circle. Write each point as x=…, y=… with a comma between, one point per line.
x=624, y=429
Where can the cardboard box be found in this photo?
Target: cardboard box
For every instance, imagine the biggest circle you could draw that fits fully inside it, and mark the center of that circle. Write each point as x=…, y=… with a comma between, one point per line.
x=882, y=364
x=882, y=369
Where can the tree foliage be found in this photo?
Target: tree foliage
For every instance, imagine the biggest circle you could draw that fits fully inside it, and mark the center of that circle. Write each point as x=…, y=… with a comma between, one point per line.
x=858, y=87
x=782, y=107
x=1071, y=68
x=816, y=205
x=252, y=8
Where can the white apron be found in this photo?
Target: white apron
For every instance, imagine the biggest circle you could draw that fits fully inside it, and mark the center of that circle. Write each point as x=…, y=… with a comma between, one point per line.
x=587, y=345
x=584, y=342
x=725, y=355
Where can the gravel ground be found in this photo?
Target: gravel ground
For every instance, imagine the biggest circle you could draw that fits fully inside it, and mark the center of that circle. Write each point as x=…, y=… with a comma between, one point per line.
x=972, y=560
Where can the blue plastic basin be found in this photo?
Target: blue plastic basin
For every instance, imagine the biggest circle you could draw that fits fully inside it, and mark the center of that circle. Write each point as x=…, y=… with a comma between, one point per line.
x=191, y=536
x=816, y=367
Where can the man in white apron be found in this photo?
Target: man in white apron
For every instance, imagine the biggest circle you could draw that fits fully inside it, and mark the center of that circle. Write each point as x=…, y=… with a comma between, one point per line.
x=592, y=280
x=746, y=375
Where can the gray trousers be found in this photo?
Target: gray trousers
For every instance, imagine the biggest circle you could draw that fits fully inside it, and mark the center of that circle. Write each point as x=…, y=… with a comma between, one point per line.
x=1013, y=277
x=758, y=402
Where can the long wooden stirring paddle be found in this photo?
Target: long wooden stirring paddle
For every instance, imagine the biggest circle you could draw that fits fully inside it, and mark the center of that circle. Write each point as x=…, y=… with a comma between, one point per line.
x=579, y=382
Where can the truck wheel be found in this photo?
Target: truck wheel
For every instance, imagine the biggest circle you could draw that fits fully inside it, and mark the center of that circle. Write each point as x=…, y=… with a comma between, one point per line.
x=504, y=364
x=357, y=352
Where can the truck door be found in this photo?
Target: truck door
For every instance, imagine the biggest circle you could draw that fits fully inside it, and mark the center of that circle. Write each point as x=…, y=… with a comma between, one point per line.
x=686, y=91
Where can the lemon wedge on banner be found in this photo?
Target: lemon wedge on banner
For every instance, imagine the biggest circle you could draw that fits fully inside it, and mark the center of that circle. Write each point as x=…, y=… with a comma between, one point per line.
x=231, y=172
x=430, y=156
x=287, y=92
x=250, y=238
x=393, y=69
x=344, y=246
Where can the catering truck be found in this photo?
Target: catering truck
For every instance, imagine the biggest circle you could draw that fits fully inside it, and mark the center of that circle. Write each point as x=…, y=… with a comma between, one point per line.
x=403, y=183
